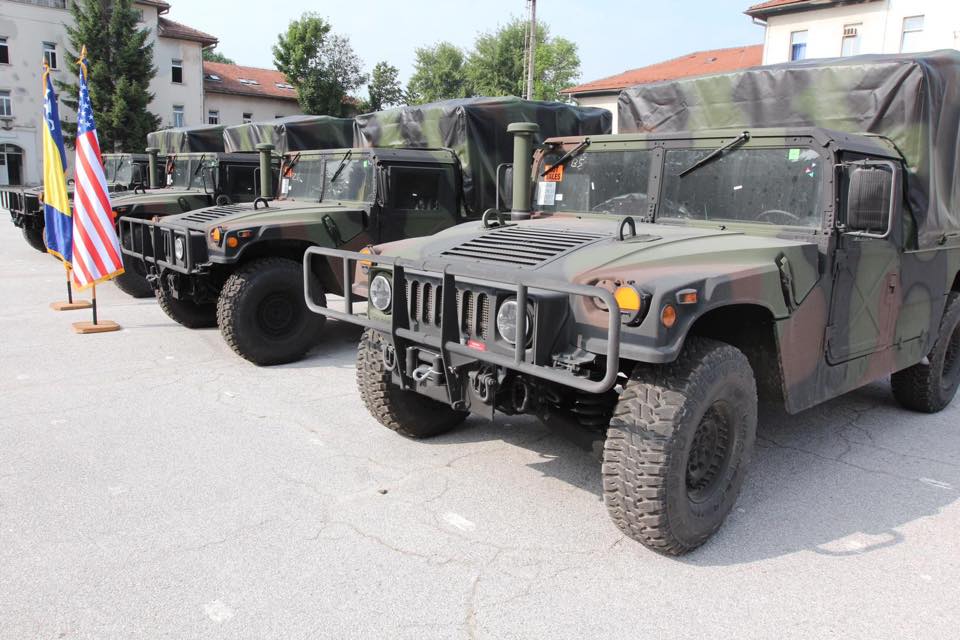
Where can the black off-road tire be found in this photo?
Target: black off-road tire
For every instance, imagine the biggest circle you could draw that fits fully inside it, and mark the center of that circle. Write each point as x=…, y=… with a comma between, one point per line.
x=678, y=446
x=406, y=412
x=931, y=385
x=34, y=238
x=189, y=314
x=131, y=281
x=262, y=313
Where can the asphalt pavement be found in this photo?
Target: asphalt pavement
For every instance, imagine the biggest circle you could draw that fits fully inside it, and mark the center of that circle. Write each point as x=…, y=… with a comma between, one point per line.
x=153, y=484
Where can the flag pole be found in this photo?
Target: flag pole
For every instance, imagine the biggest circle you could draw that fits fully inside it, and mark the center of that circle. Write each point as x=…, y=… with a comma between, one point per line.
x=70, y=304
x=93, y=299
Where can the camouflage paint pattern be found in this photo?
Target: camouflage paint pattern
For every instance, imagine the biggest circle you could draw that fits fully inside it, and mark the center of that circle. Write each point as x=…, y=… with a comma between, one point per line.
x=839, y=310
x=208, y=138
x=466, y=139
x=476, y=130
x=172, y=200
x=912, y=99
x=293, y=133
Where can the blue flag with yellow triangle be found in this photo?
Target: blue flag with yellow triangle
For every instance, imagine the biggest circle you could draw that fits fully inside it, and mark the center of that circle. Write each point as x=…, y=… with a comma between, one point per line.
x=56, y=201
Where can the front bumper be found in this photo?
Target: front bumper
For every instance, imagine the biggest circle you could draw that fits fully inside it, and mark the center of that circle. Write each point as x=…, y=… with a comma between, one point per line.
x=448, y=337
x=156, y=246
x=25, y=209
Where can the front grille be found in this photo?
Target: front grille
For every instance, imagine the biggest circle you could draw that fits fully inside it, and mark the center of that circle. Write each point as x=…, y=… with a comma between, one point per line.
x=522, y=246
x=213, y=213
x=425, y=307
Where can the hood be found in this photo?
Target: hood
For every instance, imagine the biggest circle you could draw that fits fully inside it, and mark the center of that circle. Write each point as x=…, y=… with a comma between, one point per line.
x=588, y=251
x=152, y=196
x=278, y=213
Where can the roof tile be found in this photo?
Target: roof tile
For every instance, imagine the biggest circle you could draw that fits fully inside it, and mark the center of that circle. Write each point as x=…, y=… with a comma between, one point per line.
x=692, y=64
x=262, y=83
x=167, y=28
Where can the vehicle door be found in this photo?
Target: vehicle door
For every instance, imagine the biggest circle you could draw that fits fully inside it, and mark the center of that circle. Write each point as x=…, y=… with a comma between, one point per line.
x=420, y=200
x=866, y=266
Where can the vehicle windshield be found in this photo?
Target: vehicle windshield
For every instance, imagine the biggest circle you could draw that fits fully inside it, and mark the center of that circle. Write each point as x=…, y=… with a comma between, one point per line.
x=118, y=168
x=187, y=173
x=308, y=179
x=595, y=181
x=771, y=186
x=767, y=186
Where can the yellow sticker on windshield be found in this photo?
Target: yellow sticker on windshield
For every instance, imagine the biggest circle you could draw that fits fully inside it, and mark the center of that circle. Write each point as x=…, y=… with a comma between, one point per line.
x=554, y=175
x=793, y=155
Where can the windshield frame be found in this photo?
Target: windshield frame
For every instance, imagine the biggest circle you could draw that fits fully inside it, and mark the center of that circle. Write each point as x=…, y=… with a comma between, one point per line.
x=328, y=163
x=657, y=178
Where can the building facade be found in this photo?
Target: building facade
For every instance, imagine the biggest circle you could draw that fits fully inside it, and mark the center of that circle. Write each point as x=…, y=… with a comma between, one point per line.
x=234, y=94
x=34, y=31
x=800, y=29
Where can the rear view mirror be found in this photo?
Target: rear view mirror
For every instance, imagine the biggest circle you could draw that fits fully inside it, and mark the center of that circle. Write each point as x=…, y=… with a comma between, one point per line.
x=870, y=198
x=504, y=187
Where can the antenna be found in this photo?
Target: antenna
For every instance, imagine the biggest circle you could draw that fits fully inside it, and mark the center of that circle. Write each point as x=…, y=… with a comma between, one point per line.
x=531, y=57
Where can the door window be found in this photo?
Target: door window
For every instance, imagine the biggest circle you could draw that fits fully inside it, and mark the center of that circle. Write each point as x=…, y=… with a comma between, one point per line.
x=420, y=188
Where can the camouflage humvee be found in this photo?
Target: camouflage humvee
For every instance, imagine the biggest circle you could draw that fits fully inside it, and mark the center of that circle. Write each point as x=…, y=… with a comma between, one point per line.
x=197, y=173
x=664, y=283
x=123, y=171
x=419, y=170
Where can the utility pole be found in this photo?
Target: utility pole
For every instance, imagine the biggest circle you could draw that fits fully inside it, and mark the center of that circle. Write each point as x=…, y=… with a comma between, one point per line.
x=531, y=49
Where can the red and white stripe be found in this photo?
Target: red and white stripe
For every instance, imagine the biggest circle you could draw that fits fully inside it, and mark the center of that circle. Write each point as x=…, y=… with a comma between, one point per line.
x=96, y=249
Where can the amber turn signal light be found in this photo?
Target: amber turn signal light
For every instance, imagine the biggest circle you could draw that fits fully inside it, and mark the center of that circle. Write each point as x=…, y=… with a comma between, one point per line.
x=668, y=316
x=232, y=242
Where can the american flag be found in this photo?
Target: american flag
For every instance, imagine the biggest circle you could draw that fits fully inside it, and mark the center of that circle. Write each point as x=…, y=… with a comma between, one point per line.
x=96, y=250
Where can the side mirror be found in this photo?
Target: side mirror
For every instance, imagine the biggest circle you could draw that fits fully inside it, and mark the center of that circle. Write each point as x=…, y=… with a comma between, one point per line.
x=504, y=187
x=870, y=198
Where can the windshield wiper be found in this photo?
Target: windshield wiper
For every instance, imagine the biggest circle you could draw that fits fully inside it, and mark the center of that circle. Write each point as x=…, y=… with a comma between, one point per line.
x=565, y=158
x=716, y=153
x=288, y=166
x=199, y=164
x=343, y=163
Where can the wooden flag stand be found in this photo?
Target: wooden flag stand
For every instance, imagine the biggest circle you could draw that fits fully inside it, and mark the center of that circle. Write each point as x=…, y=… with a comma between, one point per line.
x=97, y=326
x=70, y=304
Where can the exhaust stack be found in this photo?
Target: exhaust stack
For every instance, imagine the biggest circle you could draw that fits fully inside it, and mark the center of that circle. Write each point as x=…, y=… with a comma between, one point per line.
x=153, y=152
x=266, y=171
x=523, y=133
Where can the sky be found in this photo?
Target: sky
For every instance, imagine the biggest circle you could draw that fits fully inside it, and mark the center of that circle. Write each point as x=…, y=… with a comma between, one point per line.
x=611, y=35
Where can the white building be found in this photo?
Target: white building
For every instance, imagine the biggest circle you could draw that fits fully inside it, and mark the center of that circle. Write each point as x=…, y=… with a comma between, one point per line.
x=799, y=29
x=32, y=31
x=235, y=94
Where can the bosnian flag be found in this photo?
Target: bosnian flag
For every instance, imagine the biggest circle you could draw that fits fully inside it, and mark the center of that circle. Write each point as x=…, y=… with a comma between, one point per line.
x=96, y=250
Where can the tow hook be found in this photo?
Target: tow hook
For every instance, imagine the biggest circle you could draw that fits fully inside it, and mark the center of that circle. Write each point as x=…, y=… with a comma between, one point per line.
x=430, y=372
x=389, y=355
x=484, y=384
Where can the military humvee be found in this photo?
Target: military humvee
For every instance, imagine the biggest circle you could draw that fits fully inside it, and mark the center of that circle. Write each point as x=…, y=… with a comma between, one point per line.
x=123, y=171
x=197, y=173
x=665, y=282
x=420, y=169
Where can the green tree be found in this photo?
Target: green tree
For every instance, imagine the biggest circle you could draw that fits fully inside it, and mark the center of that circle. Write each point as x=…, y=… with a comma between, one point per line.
x=384, y=89
x=209, y=55
x=320, y=64
x=439, y=73
x=495, y=66
x=119, y=73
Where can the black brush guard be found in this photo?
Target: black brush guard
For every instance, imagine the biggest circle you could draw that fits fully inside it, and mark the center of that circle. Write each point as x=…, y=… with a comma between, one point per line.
x=140, y=239
x=450, y=339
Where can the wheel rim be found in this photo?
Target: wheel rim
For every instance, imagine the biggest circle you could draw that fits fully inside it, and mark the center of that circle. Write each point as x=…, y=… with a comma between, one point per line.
x=277, y=314
x=951, y=361
x=709, y=454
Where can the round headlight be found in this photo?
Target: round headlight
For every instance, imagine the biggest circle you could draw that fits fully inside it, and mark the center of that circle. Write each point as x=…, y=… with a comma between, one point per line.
x=381, y=293
x=507, y=321
x=178, y=248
